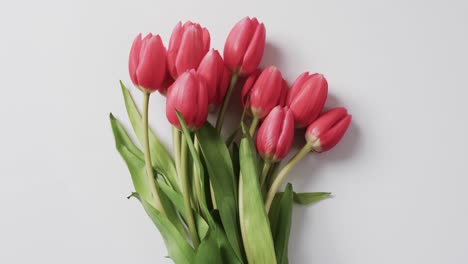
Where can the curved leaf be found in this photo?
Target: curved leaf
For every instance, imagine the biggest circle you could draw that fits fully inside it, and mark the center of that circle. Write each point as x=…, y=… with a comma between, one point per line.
x=179, y=249
x=220, y=171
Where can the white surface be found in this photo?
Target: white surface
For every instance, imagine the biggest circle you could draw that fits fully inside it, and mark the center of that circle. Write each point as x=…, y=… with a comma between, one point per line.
x=399, y=177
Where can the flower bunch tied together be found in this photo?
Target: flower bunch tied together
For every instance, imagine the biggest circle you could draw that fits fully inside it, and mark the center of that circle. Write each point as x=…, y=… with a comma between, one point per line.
x=217, y=199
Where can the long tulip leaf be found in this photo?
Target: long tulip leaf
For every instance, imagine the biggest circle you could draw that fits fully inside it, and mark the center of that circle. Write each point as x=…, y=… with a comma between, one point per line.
x=255, y=227
x=220, y=171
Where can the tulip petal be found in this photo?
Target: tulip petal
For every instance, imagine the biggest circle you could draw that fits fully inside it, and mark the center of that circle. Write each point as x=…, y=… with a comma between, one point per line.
x=237, y=43
x=270, y=132
x=296, y=87
x=190, y=52
x=134, y=58
x=266, y=92
x=286, y=137
x=172, y=50
x=329, y=139
x=326, y=121
x=254, y=52
x=188, y=96
x=307, y=101
x=151, y=69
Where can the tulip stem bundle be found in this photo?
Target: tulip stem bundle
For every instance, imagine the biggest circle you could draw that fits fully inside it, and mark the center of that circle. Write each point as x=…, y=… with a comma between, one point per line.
x=227, y=98
x=149, y=169
x=211, y=200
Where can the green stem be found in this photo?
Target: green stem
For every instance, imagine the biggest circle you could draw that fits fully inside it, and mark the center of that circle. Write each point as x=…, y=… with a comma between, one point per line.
x=148, y=164
x=176, y=145
x=186, y=193
x=266, y=168
x=282, y=174
x=196, y=174
x=227, y=98
x=253, y=126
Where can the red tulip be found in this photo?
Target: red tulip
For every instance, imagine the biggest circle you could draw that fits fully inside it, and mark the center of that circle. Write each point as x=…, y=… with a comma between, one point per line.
x=216, y=75
x=244, y=46
x=264, y=93
x=275, y=135
x=307, y=97
x=188, y=44
x=325, y=132
x=147, y=62
x=189, y=96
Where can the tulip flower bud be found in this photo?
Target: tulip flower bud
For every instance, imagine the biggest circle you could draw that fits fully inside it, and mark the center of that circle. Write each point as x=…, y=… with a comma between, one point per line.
x=147, y=62
x=275, y=135
x=216, y=75
x=263, y=94
x=188, y=44
x=244, y=46
x=189, y=96
x=325, y=132
x=307, y=97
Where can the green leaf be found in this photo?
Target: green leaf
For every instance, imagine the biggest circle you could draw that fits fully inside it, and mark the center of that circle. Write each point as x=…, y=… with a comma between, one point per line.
x=209, y=250
x=255, y=227
x=179, y=249
x=274, y=213
x=178, y=201
x=220, y=171
x=160, y=158
x=283, y=226
x=310, y=197
x=134, y=159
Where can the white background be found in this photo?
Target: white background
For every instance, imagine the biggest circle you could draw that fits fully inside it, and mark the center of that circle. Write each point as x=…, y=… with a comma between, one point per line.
x=399, y=177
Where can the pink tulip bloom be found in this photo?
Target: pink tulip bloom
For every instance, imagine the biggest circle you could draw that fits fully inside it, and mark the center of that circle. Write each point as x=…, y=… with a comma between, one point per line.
x=216, y=75
x=307, y=97
x=147, y=62
x=264, y=93
x=325, y=132
x=188, y=44
x=244, y=46
x=189, y=96
x=275, y=135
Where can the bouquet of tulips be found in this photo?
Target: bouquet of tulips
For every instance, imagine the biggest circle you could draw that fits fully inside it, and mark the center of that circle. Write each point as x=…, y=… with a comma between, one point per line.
x=216, y=199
